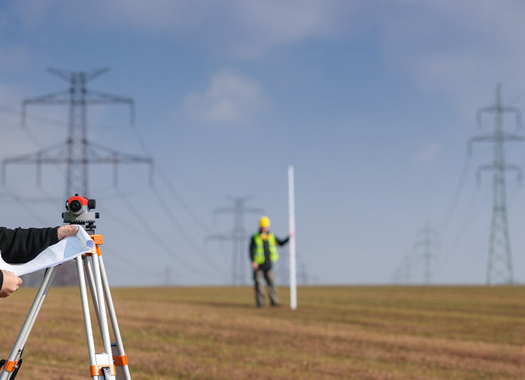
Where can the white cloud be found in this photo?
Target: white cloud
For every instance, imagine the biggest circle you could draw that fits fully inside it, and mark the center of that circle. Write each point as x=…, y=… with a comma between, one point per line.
x=267, y=24
x=231, y=99
x=461, y=48
x=242, y=28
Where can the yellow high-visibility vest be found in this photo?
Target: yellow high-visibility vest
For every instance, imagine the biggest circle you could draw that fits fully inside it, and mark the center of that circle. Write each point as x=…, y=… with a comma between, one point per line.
x=258, y=256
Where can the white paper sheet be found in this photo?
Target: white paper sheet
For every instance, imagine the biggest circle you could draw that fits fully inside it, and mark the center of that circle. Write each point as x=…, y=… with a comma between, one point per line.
x=65, y=250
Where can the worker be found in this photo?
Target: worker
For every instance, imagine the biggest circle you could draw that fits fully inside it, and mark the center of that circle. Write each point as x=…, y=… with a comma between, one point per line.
x=263, y=252
x=20, y=245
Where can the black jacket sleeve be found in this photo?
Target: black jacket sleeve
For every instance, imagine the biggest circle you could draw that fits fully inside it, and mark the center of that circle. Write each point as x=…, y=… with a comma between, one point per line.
x=252, y=249
x=24, y=244
x=282, y=241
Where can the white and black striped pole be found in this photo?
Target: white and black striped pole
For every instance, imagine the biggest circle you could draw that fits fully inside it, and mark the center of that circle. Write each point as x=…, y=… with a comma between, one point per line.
x=291, y=211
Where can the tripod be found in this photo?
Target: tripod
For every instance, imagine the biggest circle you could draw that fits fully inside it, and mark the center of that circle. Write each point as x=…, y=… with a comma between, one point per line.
x=112, y=364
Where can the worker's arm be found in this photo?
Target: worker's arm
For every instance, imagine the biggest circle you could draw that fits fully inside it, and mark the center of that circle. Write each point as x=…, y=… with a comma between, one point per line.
x=252, y=254
x=252, y=249
x=282, y=241
x=24, y=244
x=21, y=245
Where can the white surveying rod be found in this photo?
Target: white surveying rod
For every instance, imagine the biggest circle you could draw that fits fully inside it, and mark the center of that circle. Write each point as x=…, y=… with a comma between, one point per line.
x=291, y=210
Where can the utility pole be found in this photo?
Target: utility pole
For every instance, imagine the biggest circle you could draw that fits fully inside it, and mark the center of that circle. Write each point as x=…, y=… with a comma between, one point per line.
x=238, y=236
x=293, y=261
x=499, y=263
x=426, y=238
x=77, y=152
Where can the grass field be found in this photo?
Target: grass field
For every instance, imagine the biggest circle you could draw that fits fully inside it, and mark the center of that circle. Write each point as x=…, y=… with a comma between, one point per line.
x=351, y=332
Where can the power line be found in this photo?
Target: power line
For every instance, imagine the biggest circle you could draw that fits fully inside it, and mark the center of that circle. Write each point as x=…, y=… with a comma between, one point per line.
x=131, y=264
x=130, y=227
x=467, y=216
x=158, y=239
x=455, y=199
x=472, y=211
x=41, y=119
x=209, y=260
x=169, y=185
x=23, y=203
x=179, y=198
x=182, y=202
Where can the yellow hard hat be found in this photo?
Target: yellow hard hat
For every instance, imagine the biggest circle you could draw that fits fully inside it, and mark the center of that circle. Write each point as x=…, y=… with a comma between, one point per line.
x=264, y=222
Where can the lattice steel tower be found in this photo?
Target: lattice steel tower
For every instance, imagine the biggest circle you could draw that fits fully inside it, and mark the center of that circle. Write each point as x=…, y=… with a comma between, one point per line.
x=499, y=263
x=402, y=273
x=238, y=236
x=427, y=239
x=77, y=153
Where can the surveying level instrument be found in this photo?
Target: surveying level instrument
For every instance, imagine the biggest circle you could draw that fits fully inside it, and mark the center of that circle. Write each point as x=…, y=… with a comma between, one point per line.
x=79, y=212
x=112, y=363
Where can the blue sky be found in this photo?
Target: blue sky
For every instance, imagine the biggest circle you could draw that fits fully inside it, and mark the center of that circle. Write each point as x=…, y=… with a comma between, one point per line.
x=373, y=102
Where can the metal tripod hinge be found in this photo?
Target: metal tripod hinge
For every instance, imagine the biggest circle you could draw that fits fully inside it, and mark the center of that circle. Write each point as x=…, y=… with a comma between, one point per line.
x=112, y=364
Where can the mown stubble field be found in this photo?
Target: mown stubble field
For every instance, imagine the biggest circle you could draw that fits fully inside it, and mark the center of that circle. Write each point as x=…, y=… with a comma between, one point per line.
x=346, y=332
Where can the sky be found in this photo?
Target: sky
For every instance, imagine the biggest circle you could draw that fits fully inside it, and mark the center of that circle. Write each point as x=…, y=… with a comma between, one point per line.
x=373, y=103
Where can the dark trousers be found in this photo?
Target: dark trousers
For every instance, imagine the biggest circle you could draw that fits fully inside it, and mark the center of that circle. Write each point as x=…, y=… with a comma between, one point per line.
x=269, y=276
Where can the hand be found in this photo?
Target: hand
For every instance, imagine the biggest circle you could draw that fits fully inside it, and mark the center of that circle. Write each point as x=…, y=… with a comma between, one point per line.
x=11, y=283
x=255, y=266
x=69, y=230
x=291, y=234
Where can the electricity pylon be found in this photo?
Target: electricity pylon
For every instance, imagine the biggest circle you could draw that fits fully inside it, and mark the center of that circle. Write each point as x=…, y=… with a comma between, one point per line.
x=238, y=236
x=499, y=263
x=402, y=273
x=77, y=152
x=426, y=238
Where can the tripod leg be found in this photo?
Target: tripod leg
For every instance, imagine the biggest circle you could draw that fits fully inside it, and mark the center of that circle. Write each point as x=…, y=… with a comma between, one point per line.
x=14, y=357
x=119, y=355
x=86, y=313
x=101, y=364
x=91, y=281
x=104, y=328
x=92, y=287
